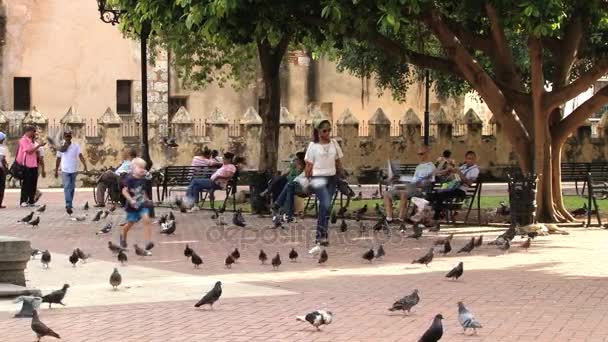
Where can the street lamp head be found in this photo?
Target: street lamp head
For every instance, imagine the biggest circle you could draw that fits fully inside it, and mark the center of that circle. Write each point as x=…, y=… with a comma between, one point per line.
x=108, y=15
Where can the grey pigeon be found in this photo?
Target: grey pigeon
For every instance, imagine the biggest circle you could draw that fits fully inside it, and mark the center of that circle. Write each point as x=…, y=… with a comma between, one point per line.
x=447, y=247
x=293, y=255
x=229, y=261
x=406, y=303
x=114, y=248
x=188, y=251
x=168, y=228
x=380, y=253
x=442, y=241
x=434, y=332
x=505, y=246
x=41, y=209
x=105, y=229
x=196, y=259
x=369, y=255
x=139, y=251
x=35, y=252
x=115, y=279
x=46, y=258
x=276, y=262
x=238, y=219
x=317, y=318
x=417, y=232
x=97, y=216
x=122, y=257
x=425, y=259
x=360, y=212
x=468, y=247
x=456, y=272
x=105, y=214
x=466, y=319
x=86, y=206
x=262, y=257
x=212, y=296
x=40, y=329
x=56, y=297
x=82, y=255
x=27, y=218
x=35, y=222
x=73, y=258
x=236, y=254
x=29, y=304
x=479, y=241
x=171, y=216
x=323, y=257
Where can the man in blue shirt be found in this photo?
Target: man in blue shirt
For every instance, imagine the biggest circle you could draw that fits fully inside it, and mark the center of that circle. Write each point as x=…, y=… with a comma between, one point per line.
x=110, y=180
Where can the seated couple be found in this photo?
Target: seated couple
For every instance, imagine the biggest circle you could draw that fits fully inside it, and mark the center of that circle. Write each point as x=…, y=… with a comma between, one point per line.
x=284, y=188
x=218, y=180
x=456, y=181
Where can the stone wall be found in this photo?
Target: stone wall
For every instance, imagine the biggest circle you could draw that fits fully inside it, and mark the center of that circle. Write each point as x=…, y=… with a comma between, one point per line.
x=362, y=152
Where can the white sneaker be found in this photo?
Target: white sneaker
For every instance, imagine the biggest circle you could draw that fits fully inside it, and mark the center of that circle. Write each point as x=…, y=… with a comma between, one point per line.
x=194, y=209
x=24, y=205
x=148, y=253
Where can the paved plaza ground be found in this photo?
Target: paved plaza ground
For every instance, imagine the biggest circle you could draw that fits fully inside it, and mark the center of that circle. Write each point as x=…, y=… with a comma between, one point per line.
x=557, y=291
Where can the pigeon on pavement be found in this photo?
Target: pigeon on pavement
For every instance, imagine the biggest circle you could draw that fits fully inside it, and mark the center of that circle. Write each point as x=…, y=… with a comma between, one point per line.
x=479, y=241
x=447, y=247
x=236, y=254
x=406, y=303
x=238, y=219
x=86, y=206
x=115, y=279
x=425, y=259
x=456, y=272
x=212, y=296
x=171, y=216
x=293, y=255
x=317, y=318
x=140, y=251
x=343, y=226
x=434, y=332
x=27, y=218
x=46, y=258
x=188, y=251
x=122, y=257
x=466, y=319
x=41, y=209
x=56, y=297
x=526, y=244
x=97, y=216
x=276, y=262
x=505, y=246
x=35, y=222
x=82, y=255
x=114, y=248
x=229, y=261
x=360, y=212
x=369, y=255
x=380, y=252
x=168, y=228
x=468, y=247
x=417, y=232
x=40, y=329
x=441, y=241
x=262, y=257
x=74, y=258
x=333, y=218
x=323, y=257
x=196, y=259
x=105, y=229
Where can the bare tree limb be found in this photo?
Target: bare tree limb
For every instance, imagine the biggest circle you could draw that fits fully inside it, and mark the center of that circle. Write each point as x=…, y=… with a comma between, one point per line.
x=567, y=53
x=570, y=91
x=568, y=124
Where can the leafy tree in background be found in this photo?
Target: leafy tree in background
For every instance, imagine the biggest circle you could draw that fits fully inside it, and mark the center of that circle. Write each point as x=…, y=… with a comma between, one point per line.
x=525, y=59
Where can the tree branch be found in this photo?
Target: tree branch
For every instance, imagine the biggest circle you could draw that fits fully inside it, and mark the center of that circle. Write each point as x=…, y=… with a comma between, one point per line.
x=561, y=96
x=568, y=124
x=567, y=52
x=468, y=38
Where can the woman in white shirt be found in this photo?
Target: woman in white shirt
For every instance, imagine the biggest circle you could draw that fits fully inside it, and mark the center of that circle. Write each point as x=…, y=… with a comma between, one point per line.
x=322, y=167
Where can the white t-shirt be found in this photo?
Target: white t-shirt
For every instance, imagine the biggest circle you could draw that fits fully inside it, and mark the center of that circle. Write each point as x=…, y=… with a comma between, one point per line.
x=69, y=158
x=323, y=157
x=470, y=172
x=2, y=151
x=424, y=172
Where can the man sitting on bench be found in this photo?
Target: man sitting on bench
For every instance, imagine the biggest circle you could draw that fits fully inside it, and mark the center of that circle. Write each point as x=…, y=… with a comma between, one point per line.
x=110, y=180
x=464, y=177
x=425, y=172
x=218, y=180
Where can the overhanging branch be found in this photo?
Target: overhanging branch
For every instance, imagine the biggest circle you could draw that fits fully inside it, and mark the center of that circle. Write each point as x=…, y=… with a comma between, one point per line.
x=561, y=96
x=568, y=124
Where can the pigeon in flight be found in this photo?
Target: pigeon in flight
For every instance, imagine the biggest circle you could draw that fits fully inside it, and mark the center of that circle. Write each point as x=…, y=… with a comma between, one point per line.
x=456, y=272
x=212, y=296
x=29, y=304
x=406, y=303
x=40, y=329
x=317, y=318
x=466, y=319
x=434, y=332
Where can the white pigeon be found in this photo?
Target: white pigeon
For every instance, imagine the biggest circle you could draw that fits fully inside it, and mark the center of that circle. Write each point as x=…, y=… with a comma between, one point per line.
x=317, y=318
x=466, y=319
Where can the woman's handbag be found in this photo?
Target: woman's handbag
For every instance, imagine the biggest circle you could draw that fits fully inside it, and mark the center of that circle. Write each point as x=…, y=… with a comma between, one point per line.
x=17, y=170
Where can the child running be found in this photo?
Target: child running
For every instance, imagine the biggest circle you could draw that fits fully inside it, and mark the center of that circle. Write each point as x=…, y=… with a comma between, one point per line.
x=137, y=205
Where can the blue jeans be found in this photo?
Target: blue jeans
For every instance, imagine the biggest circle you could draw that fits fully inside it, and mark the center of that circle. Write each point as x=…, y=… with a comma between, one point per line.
x=286, y=198
x=69, y=184
x=199, y=185
x=324, y=196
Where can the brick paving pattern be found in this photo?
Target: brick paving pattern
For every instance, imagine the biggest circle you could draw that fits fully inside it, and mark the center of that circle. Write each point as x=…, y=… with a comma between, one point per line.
x=555, y=292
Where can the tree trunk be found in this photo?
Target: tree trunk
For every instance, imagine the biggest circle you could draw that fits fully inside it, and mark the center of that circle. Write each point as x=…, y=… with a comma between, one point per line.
x=270, y=119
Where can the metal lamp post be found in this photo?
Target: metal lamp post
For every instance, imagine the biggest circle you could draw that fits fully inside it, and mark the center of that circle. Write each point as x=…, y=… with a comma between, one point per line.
x=427, y=116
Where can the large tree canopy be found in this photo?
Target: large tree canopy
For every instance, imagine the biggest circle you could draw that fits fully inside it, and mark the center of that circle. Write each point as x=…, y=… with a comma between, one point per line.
x=525, y=59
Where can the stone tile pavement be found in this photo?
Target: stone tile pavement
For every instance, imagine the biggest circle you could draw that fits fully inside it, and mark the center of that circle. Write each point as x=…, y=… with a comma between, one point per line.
x=555, y=292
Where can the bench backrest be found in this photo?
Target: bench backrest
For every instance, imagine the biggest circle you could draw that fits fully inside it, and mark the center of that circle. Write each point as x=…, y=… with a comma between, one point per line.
x=182, y=175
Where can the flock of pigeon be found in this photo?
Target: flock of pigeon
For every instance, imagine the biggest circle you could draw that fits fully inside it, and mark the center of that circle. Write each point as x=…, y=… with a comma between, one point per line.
x=316, y=318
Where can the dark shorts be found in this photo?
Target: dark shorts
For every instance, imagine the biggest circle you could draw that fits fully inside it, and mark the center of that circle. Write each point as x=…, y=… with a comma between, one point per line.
x=135, y=216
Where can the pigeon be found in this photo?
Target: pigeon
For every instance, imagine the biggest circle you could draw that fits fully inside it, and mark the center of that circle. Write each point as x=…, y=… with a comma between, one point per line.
x=56, y=297
x=503, y=210
x=168, y=228
x=447, y=247
x=334, y=218
x=526, y=244
x=74, y=258
x=97, y=216
x=505, y=246
x=214, y=215
x=29, y=304
x=381, y=224
x=378, y=210
x=196, y=260
x=114, y=248
x=323, y=257
x=27, y=218
x=229, y=261
x=479, y=241
x=105, y=229
x=35, y=222
x=212, y=296
x=277, y=221
x=35, y=252
x=163, y=219
x=434, y=332
x=238, y=219
x=115, y=279
x=105, y=214
x=188, y=251
x=41, y=209
x=358, y=197
x=171, y=216
x=343, y=226
x=369, y=255
x=360, y=212
x=375, y=194
x=293, y=255
x=40, y=329
x=406, y=303
x=262, y=257
x=122, y=257
x=468, y=247
x=425, y=259
x=579, y=211
x=380, y=252
x=276, y=262
x=235, y=254
x=317, y=318
x=46, y=258
x=86, y=206
x=417, y=232
x=509, y=234
x=456, y=272
x=82, y=255
x=403, y=228
x=442, y=241
x=140, y=251
x=466, y=319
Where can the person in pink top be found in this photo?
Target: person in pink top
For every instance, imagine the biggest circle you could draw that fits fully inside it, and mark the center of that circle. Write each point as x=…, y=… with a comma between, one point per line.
x=219, y=179
x=27, y=155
